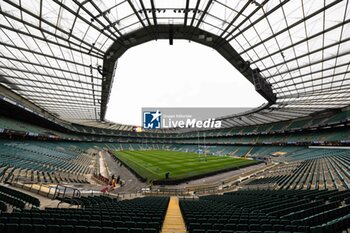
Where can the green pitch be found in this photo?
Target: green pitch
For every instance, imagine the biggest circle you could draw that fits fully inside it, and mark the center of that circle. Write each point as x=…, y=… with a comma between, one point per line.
x=153, y=164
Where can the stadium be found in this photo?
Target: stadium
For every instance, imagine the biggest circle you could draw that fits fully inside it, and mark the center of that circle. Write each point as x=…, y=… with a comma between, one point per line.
x=281, y=167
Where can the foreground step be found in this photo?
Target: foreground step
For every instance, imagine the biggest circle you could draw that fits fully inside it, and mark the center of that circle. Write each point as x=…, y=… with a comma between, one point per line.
x=174, y=221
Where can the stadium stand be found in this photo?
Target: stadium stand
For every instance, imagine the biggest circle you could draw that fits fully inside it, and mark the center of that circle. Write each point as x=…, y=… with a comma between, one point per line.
x=280, y=132
x=19, y=195
x=39, y=162
x=309, y=169
x=58, y=60
x=268, y=211
x=15, y=199
x=100, y=214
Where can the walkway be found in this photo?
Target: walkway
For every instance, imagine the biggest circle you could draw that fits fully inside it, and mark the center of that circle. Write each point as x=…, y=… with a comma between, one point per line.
x=103, y=168
x=174, y=222
x=132, y=184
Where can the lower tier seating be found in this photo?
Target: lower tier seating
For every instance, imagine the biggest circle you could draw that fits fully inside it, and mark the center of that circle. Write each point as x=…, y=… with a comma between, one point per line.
x=43, y=163
x=100, y=215
x=19, y=195
x=267, y=211
x=314, y=169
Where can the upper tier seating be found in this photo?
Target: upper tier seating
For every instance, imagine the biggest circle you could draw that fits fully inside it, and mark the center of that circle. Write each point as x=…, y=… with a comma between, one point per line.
x=86, y=133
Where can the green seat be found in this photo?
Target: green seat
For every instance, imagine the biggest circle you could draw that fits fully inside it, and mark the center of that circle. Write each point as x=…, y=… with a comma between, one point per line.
x=149, y=230
x=53, y=229
x=118, y=224
x=95, y=229
x=81, y=229
x=38, y=228
x=25, y=228
x=106, y=223
x=95, y=223
x=129, y=224
x=13, y=220
x=198, y=231
x=38, y=221
x=213, y=231
x=72, y=222
x=108, y=230
x=135, y=230
x=122, y=230
x=67, y=229
x=26, y=221
x=153, y=225
x=11, y=228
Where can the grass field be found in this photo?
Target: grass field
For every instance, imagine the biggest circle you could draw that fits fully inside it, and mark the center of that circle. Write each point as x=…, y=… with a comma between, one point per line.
x=153, y=164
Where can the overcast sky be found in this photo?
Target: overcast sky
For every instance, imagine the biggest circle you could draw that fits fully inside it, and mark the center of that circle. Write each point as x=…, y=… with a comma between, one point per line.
x=186, y=74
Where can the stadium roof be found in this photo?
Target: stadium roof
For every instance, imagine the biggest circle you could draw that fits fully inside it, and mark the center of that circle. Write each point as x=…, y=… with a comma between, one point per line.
x=53, y=52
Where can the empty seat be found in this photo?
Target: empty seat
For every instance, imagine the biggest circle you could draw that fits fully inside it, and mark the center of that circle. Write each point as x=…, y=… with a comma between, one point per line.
x=106, y=223
x=149, y=230
x=53, y=229
x=26, y=221
x=95, y=229
x=39, y=228
x=67, y=229
x=81, y=229
x=122, y=230
x=11, y=227
x=199, y=231
x=135, y=230
x=108, y=230
x=25, y=228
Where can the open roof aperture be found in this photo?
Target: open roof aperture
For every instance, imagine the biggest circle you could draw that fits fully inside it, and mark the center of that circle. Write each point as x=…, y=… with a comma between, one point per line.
x=186, y=74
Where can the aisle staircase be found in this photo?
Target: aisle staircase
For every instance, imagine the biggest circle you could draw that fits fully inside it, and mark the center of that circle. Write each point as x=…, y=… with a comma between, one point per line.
x=174, y=222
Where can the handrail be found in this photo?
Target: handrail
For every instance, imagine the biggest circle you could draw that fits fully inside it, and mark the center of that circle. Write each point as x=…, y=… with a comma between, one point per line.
x=75, y=192
x=229, y=184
